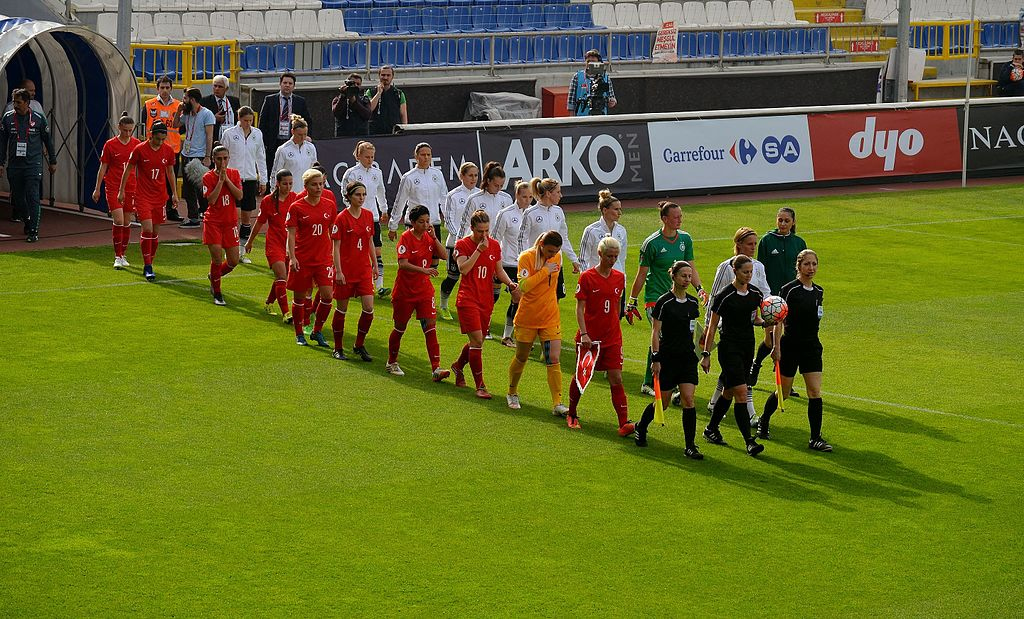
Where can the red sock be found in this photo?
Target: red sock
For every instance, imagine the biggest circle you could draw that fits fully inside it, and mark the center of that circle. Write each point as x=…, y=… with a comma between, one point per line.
x=298, y=313
x=323, y=310
x=225, y=268
x=620, y=403
x=215, y=277
x=281, y=286
x=463, y=357
x=126, y=238
x=365, y=320
x=433, y=348
x=476, y=364
x=574, y=396
x=116, y=239
x=338, y=326
x=146, y=245
x=153, y=245
x=394, y=343
x=272, y=294
x=309, y=309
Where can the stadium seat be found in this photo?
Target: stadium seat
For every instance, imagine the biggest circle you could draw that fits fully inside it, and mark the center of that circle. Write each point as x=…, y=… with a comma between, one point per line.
x=465, y=3
x=1010, y=35
x=775, y=42
x=278, y=25
x=251, y=26
x=358, y=20
x=708, y=44
x=874, y=10
x=817, y=41
x=360, y=52
x=332, y=55
x=409, y=20
x=196, y=26
x=508, y=17
x=142, y=24
x=393, y=52
x=533, y=17
x=335, y=4
x=649, y=14
x=595, y=41
x=412, y=4
x=224, y=25
x=417, y=53
x=383, y=21
x=732, y=43
x=331, y=23
x=570, y=47
x=485, y=3
x=258, y=57
x=673, y=12
x=305, y=25
x=145, y=6
x=106, y=24
x=471, y=51
x=640, y=45
x=556, y=17
x=168, y=26
x=784, y=12
x=460, y=20
x=603, y=14
x=717, y=13
x=627, y=16
x=260, y=5
x=580, y=17
x=441, y=4
x=991, y=35
x=173, y=6
x=686, y=44
x=345, y=55
x=762, y=12
x=308, y=5
x=739, y=12
x=484, y=18
x=385, y=4
x=434, y=19
x=444, y=52
x=620, y=47
x=753, y=43
x=694, y=14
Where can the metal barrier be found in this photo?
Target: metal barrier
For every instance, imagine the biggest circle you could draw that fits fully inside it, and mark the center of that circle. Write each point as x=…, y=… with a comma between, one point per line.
x=188, y=64
x=947, y=40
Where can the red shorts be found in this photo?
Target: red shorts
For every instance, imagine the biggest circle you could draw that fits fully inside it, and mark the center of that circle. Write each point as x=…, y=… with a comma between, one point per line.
x=472, y=318
x=610, y=357
x=305, y=277
x=272, y=258
x=155, y=213
x=361, y=288
x=128, y=206
x=225, y=235
x=426, y=309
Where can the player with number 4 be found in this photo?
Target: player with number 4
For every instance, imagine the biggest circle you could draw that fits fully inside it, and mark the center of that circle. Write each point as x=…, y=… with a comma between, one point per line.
x=355, y=268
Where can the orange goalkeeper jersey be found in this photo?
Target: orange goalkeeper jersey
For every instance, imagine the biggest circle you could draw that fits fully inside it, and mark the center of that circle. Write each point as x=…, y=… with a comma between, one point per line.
x=538, y=309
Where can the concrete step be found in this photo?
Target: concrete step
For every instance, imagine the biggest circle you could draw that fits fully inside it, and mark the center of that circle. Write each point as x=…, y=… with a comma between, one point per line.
x=814, y=4
x=950, y=88
x=830, y=15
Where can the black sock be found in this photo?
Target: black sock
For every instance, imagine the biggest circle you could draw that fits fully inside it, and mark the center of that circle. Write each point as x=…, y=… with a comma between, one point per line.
x=739, y=410
x=690, y=425
x=718, y=414
x=762, y=351
x=646, y=418
x=448, y=285
x=244, y=231
x=770, y=405
x=814, y=417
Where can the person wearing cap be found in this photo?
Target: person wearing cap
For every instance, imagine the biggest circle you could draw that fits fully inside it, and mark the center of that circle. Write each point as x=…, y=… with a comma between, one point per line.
x=23, y=135
x=351, y=109
x=582, y=101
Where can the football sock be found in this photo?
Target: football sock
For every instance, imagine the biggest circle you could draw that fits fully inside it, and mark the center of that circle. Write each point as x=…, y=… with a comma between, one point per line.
x=751, y=411
x=555, y=383
x=718, y=392
x=446, y=289
x=762, y=351
x=116, y=239
x=574, y=396
x=646, y=417
x=282, y=294
x=365, y=320
x=739, y=411
x=648, y=376
x=244, y=230
x=510, y=316
x=620, y=403
x=394, y=343
x=153, y=245
x=225, y=268
x=515, y=372
x=433, y=348
x=126, y=238
x=814, y=406
x=463, y=357
x=310, y=305
x=770, y=406
x=718, y=414
x=146, y=246
x=476, y=364
x=298, y=314
x=215, y=269
x=338, y=326
x=689, y=424
x=272, y=295
x=323, y=310
x=380, y=272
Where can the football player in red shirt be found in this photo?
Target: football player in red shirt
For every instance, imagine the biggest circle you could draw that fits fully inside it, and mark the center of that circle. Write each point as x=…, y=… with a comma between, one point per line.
x=309, y=254
x=597, y=312
x=479, y=258
x=355, y=268
x=152, y=165
x=327, y=195
x=273, y=211
x=222, y=188
x=418, y=249
x=113, y=163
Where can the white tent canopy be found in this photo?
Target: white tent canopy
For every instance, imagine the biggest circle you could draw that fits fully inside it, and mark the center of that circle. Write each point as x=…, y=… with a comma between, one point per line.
x=82, y=81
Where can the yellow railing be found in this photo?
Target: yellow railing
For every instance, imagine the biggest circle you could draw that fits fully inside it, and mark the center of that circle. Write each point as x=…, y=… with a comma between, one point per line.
x=188, y=64
x=946, y=40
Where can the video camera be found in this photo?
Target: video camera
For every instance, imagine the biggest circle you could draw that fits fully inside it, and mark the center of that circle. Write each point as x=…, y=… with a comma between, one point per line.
x=597, y=74
x=351, y=89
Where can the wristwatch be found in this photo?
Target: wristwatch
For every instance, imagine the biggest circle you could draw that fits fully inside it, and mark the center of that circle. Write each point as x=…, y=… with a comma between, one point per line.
x=705, y=353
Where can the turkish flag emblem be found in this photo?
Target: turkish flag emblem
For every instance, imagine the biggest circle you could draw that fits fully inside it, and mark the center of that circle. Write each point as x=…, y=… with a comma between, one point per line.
x=586, y=360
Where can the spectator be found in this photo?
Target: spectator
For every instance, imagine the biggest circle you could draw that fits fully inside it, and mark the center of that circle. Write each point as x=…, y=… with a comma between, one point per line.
x=387, y=104
x=35, y=106
x=224, y=107
x=162, y=108
x=196, y=123
x=23, y=134
x=1011, y=76
x=590, y=97
x=247, y=155
x=351, y=109
x=276, y=117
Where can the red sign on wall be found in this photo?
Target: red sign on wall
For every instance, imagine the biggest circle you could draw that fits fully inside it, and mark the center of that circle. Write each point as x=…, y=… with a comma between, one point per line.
x=829, y=17
x=864, y=46
x=884, y=143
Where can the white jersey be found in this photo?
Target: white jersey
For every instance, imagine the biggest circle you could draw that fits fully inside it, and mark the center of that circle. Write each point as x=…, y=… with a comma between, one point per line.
x=373, y=179
x=419, y=187
x=539, y=219
x=505, y=229
x=592, y=235
x=454, y=207
x=247, y=154
x=296, y=158
x=724, y=276
x=491, y=203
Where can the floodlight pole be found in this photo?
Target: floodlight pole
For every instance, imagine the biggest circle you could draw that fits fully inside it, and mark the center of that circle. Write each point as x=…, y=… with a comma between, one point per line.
x=902, y=50
x=124, y=27
x=967, y=100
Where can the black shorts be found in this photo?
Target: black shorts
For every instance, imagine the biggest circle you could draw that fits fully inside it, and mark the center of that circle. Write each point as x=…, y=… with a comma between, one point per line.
x=249, y=191
x=376, y=235
x=453, y=265
x=678, y=371
x=796, y=355
x=512, y=272
x=735, y=361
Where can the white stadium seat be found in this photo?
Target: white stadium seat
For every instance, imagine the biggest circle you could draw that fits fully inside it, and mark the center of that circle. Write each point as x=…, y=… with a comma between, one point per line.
x=251, y=25
x=149, y=6
x=90, y=6
x=304, y=24
x=672, y=11
x=784, y=12
x=224, y=25
x=761, y=12
x=603, y=14
x=874, y=10
x=141, y=22
x=718, y=13
x=739, y=12
x=278, y=24
x=308, y=5
x=959, y=9
x=694, y=14
x=936, y=9
x=258, y=5
x=168, y=25
x=179, y=6
x=332, y=23
x=196, y=26
x=626, y=15
x=106, y=24
x=650, y=14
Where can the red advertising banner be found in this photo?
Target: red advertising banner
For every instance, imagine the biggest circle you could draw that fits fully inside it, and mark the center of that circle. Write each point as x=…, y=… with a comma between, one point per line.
x=884, y=143
x=829, y=17
x=864, y=46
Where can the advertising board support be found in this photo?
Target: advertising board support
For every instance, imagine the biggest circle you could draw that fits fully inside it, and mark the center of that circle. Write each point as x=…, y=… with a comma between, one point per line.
x=967, y=100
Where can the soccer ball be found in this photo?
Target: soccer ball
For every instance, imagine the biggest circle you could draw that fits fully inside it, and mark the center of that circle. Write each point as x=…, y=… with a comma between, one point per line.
x=1016, y=74
x=774, y=310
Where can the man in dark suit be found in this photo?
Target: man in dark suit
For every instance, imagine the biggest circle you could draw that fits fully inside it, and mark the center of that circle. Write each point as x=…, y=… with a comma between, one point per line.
x=224, y=106
x=275, y=117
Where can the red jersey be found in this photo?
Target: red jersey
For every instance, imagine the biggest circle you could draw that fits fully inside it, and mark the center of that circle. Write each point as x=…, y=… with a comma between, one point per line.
x=312, y=223
x=601, y=297
x=151, y=173
x=356, y=248
x=223, y=208
x=477, y=287
x=272, y=215
x=116, y=155
x=327, y=195
x=409, y=286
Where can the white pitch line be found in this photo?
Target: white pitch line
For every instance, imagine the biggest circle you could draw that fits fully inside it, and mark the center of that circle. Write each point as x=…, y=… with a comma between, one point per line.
x=959, y=238
x=889, y=226
x=122, y=284
x=921, y=409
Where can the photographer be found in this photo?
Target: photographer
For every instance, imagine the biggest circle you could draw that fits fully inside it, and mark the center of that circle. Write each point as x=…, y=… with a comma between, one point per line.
x=1011, y=77
x=591, y=92
x=351, y=109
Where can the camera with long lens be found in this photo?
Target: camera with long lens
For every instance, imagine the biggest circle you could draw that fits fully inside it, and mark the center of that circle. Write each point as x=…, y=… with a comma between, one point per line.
x=351, y=89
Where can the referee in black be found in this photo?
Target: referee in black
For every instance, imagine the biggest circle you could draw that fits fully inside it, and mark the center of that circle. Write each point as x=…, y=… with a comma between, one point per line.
x=736, y=306
x=799, y=347
x=674, y=360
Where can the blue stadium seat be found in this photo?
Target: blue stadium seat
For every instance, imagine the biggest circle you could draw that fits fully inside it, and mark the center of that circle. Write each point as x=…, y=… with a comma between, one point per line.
x=686, y=45
x=620, y=47
x=569, y=47
x=817, y=40
x=732, y=43
x=330, y=56
x=383, y=21
x=1010, y=36
x=358, y=54
x=410, y=20
x=640, y=45
x=532, y=17
x=444, y=52
x=487, y=3
x=392, y=52
x=418, y=53
x=508, y=16
x=471, y=51
x=708, y=44
x=412, y=4
x=439, y=4
x=203, y=62
x=545, y=48
x=259, y=58
x=284, y=57
x=556, y=17
x=529, y=2
x=595, y=41
x=360, y=4
x=385, y=4
x=991, y=35
x=434, y=20
x=520, y=49
x=775, y=42
x=334, y=4
x=460, y=20
x=753, y=43
x=465, y=3
x=796, y=41
x=501, y=48
x=581, y=18
x=357, y=20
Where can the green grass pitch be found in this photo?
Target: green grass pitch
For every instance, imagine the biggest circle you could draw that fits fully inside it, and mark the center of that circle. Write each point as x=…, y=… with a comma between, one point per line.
x=163, y=456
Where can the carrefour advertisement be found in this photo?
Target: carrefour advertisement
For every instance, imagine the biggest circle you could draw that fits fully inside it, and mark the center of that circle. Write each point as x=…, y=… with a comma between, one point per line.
x=694, y=154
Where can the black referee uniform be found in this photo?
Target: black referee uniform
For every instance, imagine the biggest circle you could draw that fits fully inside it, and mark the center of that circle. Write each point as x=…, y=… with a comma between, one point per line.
x=737, y=312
